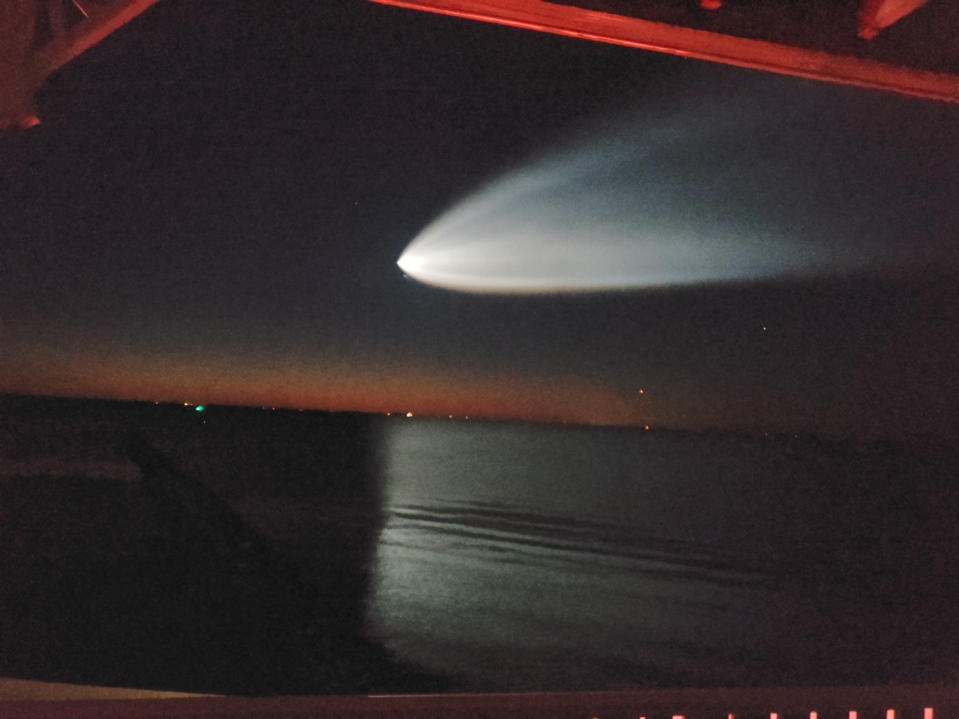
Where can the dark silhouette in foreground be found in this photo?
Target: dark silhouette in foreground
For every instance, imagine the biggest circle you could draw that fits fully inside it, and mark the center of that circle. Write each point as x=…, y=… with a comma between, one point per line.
x=162, y=584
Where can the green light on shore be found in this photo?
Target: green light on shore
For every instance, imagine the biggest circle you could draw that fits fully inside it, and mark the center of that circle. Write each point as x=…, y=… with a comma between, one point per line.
x=200, y=408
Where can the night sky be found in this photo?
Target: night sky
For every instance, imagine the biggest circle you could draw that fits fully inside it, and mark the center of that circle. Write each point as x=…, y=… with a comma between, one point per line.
x=213, y=207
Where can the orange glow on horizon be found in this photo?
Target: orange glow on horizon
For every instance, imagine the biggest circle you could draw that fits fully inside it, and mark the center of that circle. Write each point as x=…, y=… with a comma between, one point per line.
x=423, y=391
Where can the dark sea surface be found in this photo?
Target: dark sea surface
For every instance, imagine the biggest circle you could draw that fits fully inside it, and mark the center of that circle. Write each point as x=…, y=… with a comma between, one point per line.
x=283, y=552
x=520, y=557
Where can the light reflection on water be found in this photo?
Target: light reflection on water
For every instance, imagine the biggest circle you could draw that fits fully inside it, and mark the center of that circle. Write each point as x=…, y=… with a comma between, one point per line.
x=528, y=557
x=521, y=557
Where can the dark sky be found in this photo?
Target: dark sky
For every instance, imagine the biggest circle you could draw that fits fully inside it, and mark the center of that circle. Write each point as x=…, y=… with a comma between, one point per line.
x=213, y=206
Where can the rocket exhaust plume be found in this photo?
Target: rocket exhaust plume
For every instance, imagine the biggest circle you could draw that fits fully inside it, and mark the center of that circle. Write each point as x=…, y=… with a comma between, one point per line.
x=700, y=197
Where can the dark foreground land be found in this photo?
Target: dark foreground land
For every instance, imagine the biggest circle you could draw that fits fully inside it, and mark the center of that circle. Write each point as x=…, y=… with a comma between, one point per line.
x=139, y=547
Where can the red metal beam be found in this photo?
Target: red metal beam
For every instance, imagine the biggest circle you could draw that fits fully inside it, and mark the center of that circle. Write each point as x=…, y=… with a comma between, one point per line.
x=17, y=19
x=874, y=15
x=101, y=20
x=24, y=67
x=688, y=42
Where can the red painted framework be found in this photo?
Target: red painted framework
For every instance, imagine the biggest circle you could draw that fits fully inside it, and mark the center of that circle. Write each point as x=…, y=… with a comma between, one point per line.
x=688, y=42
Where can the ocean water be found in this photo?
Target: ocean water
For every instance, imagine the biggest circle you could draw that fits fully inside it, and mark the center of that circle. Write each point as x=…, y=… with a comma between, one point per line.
x=482, y=556
x=520, y=557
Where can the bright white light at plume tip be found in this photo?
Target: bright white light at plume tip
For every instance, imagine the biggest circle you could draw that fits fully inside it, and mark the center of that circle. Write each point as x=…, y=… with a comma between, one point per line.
x=406, y=264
